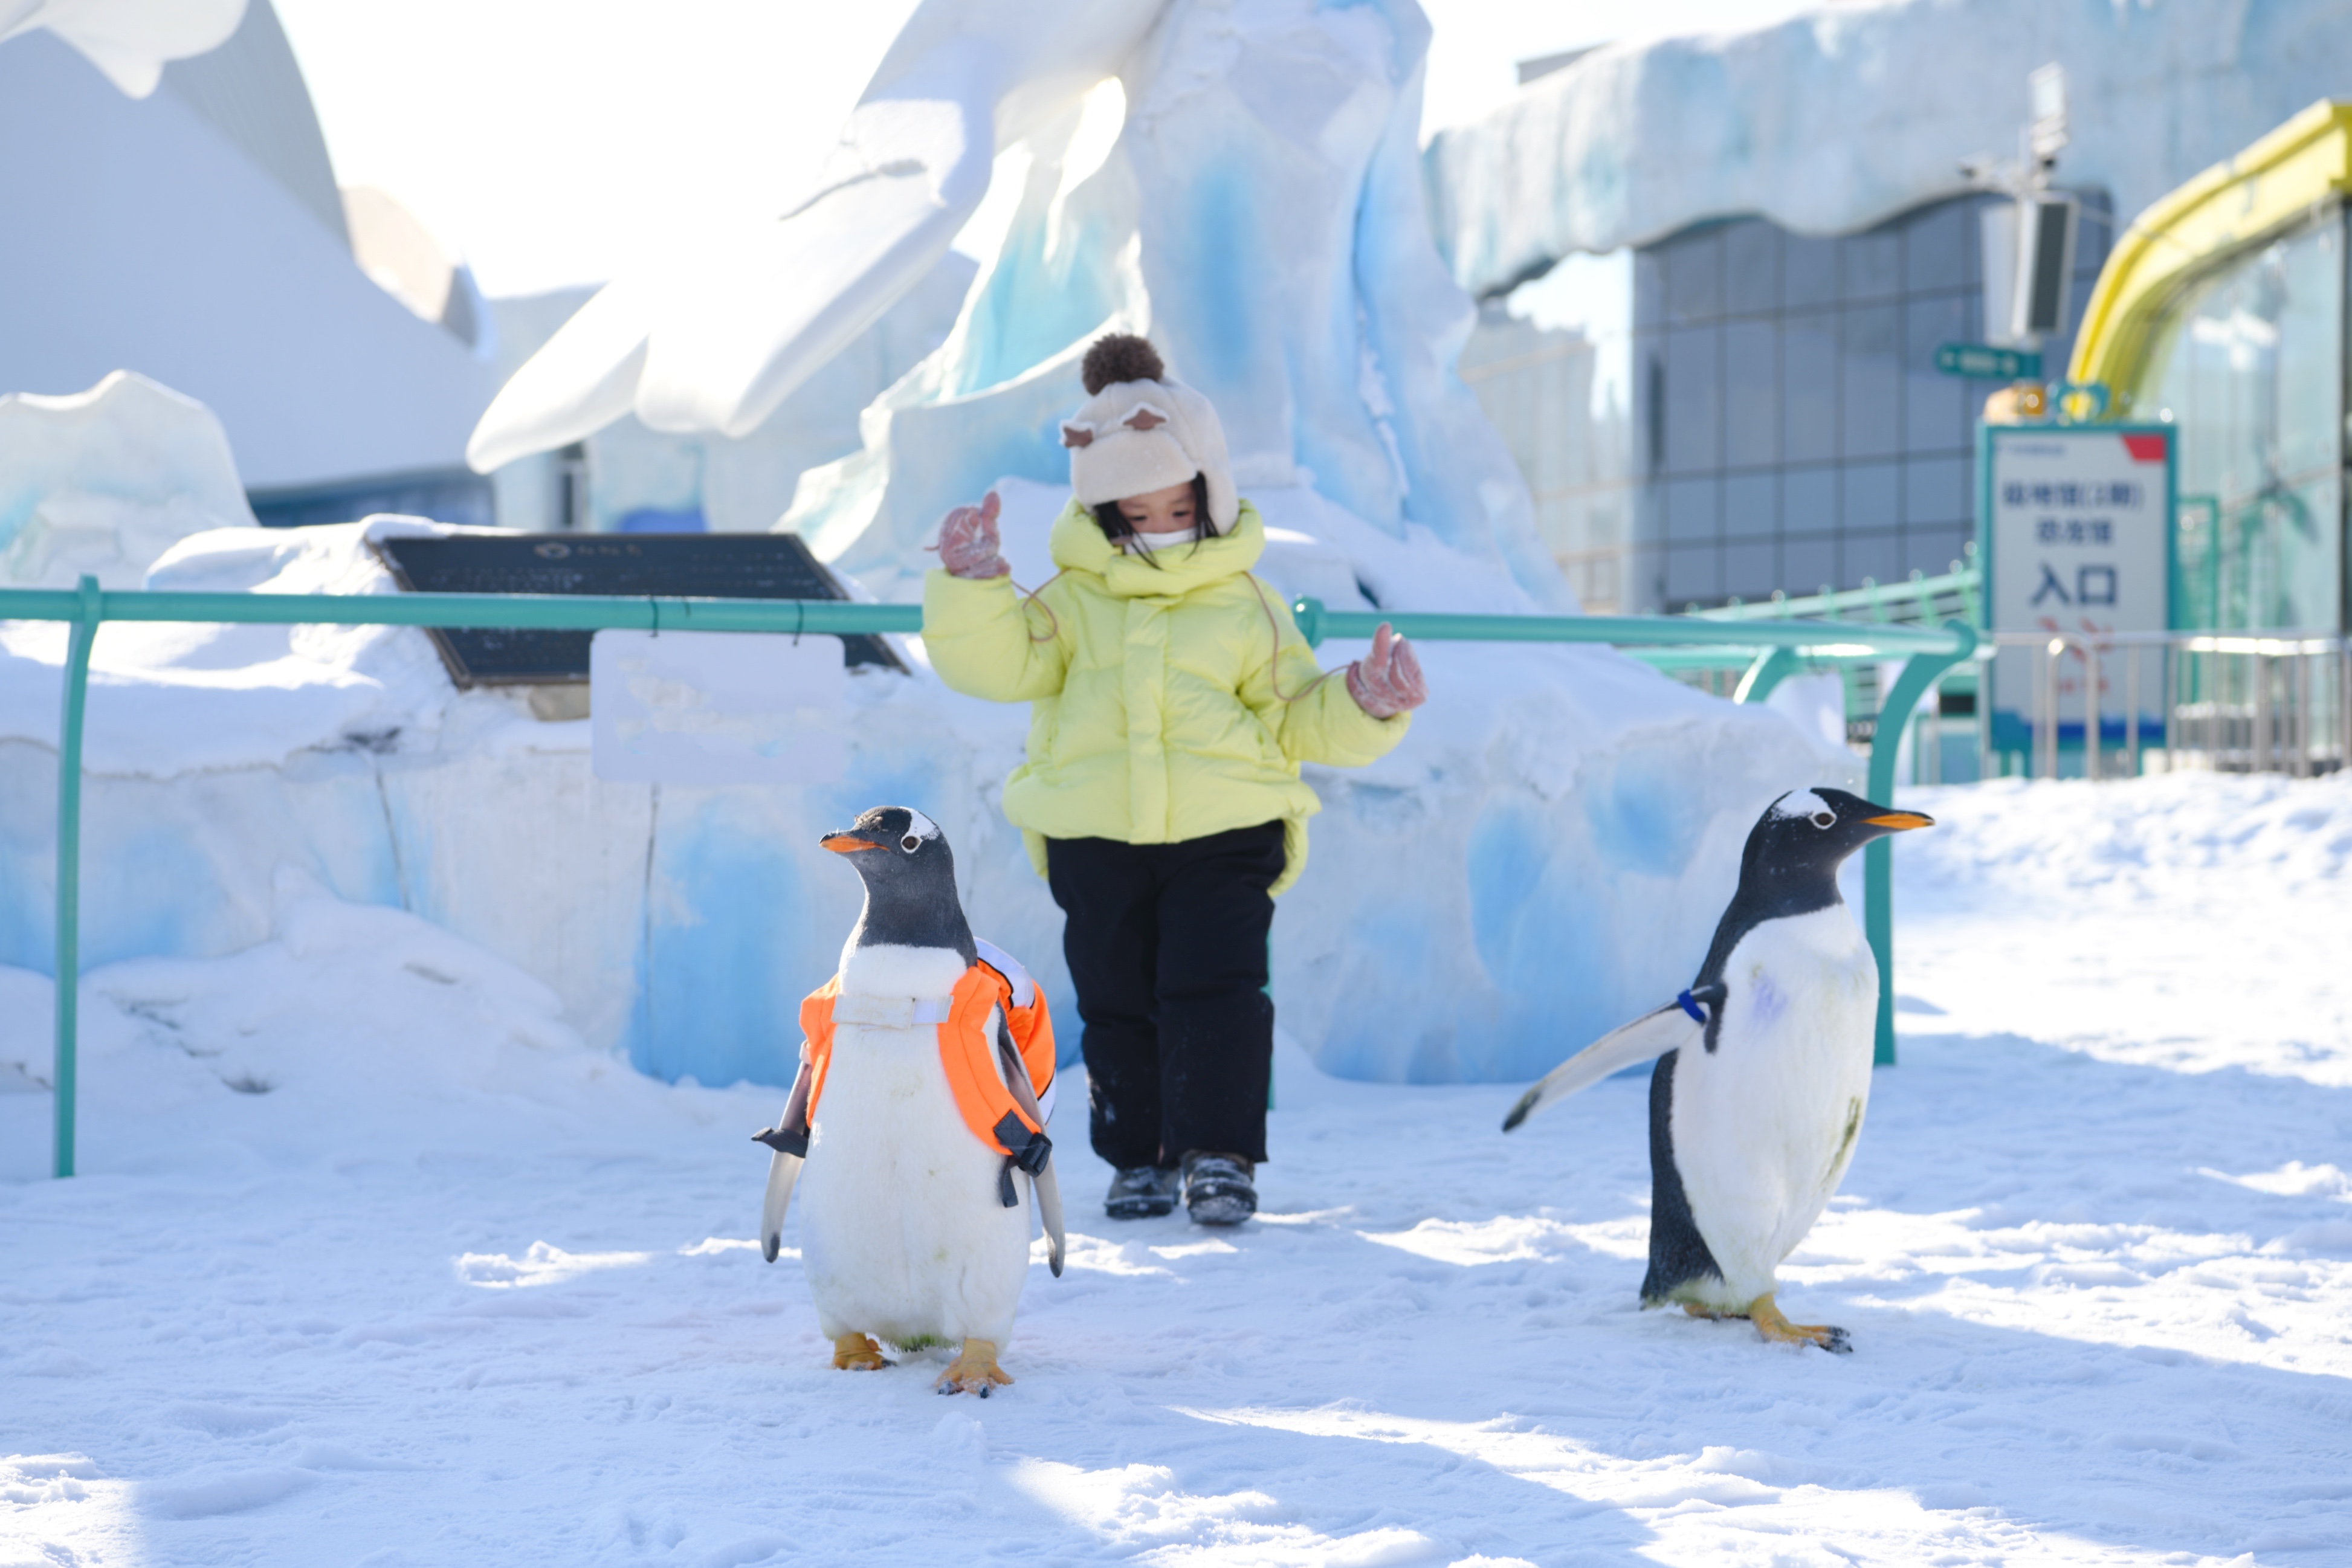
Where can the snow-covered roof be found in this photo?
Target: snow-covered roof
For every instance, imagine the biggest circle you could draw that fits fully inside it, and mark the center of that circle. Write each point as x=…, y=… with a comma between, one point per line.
x=1832, y=121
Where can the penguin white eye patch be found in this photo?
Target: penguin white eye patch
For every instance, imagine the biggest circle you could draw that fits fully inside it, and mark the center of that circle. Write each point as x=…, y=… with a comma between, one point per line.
x=1805, y=803
x=919, y=828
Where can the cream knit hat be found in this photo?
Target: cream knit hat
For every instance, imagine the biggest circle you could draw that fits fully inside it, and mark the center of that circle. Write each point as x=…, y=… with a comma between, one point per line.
x=1141, y=431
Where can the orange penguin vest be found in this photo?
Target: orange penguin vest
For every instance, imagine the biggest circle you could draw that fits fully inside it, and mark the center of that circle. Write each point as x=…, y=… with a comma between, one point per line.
x=989, y=1109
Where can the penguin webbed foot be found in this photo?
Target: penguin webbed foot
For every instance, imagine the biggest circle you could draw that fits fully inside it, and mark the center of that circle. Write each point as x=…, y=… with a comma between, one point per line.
x=974, y=1371
x=858, y=1353
x=1775, y=1326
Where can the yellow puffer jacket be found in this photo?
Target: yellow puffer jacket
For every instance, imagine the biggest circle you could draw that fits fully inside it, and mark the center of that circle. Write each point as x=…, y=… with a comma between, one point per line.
x=1170, y=701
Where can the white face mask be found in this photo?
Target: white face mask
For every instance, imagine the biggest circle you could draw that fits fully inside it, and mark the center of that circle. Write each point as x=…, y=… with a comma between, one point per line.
x=1139, y=539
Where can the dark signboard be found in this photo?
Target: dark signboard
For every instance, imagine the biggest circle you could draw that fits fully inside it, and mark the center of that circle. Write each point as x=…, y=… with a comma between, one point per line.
x=687, y=566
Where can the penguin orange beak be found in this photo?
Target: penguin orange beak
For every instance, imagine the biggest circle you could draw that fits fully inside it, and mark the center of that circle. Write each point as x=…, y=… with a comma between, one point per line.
x=846, y=843
x=1901, y=821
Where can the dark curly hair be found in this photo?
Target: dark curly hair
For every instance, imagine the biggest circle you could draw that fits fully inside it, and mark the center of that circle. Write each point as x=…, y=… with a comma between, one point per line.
x=1116, y=357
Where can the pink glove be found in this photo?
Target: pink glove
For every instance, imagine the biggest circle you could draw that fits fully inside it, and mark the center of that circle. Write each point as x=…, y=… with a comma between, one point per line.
x=1389, y=682
x=968, y=544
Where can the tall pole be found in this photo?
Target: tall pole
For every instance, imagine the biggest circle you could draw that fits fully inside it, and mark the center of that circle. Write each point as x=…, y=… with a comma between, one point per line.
x=68, y=872
x=1918, y=675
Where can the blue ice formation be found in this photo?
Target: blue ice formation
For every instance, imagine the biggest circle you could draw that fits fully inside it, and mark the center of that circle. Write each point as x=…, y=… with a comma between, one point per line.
x=1544, y=857
x=1833, y=121
x=1256, y=206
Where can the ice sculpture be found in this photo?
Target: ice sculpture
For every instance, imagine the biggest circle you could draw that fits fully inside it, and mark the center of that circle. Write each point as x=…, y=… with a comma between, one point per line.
x=129, y=40
x=1545, y=851
x=1829, y=122
x=1258, y=213
x=106, y=481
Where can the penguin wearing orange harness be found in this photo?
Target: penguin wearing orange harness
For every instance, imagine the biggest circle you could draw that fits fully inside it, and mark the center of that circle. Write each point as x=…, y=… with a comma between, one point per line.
x=916, y=1123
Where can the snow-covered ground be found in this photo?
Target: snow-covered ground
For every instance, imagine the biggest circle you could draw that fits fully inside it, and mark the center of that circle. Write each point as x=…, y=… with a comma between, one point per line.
x=456, y=1289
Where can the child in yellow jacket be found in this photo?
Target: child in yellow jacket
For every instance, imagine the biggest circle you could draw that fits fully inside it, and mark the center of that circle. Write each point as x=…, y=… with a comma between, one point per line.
x=1172, y=700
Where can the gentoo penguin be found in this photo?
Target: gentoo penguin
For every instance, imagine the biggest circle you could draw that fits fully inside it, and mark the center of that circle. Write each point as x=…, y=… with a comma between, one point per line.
x=914, y=1112
x=1764, y=1071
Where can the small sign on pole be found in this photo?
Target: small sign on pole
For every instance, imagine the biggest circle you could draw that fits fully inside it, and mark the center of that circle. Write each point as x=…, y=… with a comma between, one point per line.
x=718, y=707
x=1983, y=362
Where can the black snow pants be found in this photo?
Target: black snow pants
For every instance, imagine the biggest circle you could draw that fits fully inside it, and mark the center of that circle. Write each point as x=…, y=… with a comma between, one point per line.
x=1167, y=948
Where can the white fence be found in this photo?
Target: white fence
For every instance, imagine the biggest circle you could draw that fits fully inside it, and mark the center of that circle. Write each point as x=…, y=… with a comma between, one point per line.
x=2239, y=701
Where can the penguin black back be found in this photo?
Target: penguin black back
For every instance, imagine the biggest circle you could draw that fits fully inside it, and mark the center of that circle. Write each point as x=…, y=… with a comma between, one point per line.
x=909, y=875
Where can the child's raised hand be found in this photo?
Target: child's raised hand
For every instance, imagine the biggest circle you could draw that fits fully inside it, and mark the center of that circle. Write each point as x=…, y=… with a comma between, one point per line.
x=1388, y=681
x=968, y=542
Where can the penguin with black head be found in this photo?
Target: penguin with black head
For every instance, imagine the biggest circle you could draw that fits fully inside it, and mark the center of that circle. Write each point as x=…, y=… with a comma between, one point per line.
x=1763, y=1075
x=917, y=1126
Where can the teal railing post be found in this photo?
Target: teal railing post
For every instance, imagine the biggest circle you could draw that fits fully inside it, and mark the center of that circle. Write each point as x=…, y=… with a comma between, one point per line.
x=1308, y=613
x=68, y=872
x=1919, y=672
x=1772, y=666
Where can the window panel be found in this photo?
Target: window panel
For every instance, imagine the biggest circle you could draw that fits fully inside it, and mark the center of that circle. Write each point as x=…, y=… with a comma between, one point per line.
x=1933, y=402
x=1808, y=565
x=1868, y=496
x=1808, y=271
x=1649, y=287
x=1751, y=267
x=1876, y=555
x=1751, y=570
x=1809, y=501
x=1752, y=376
x=1692, y=510
x=1871, y=400
x=1937, y=244
x=1933, y=551
x=1751, y=506
x=1936, y=490
x=1809, y=387
x=1871, y=264
x=1694, y=398
x=1694, y=277
x=1693, y=574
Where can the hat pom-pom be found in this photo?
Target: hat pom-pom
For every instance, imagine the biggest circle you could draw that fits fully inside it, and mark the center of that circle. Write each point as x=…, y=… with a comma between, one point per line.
x=1118, y=357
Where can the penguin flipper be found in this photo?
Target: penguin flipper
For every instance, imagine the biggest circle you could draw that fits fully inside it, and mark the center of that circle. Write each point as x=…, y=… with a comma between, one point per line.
x=1645, y=1039
x=1047, y=1189
x=1044, y=1187
x=783, y=1170
x=789, y=1139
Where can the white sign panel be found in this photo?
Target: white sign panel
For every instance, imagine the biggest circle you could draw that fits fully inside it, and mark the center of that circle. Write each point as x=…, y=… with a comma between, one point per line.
x=2079, y=531
x=718, y=707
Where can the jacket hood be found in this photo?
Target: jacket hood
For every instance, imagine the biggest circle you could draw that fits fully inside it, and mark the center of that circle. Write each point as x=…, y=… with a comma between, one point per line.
x=1077, y=545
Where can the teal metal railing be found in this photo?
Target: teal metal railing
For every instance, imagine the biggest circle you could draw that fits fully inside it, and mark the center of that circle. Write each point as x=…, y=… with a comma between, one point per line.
x=1772, y=647
x=1919, y=600
x=1916, y=599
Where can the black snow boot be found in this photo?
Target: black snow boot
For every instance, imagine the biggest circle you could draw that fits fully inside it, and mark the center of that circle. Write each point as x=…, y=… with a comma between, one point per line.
x=1217, y=1189
x=1141, y=1192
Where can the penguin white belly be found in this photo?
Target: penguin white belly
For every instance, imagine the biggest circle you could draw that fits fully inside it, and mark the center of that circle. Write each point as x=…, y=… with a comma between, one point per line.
x=903, y=1233
x=1764, y=1126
